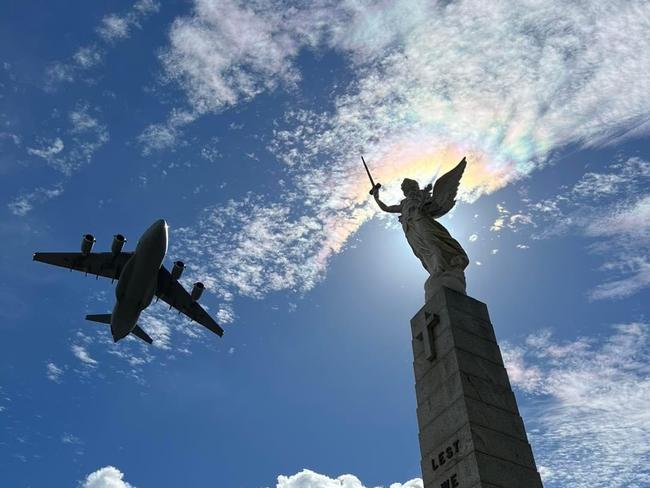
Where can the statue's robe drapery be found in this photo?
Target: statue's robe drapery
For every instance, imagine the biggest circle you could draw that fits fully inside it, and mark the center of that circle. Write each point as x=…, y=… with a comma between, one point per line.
x=431, y=242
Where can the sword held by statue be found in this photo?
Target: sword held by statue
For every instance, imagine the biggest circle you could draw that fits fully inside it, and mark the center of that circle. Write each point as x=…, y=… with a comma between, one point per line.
x=376, y=186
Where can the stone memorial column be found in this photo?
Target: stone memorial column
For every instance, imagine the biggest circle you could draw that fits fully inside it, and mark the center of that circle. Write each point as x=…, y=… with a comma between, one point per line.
x=471, y=434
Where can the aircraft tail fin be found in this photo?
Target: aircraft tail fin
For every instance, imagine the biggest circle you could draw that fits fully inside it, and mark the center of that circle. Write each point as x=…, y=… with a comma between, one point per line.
x=105, y=318
x=102, y=318
x=138, y=332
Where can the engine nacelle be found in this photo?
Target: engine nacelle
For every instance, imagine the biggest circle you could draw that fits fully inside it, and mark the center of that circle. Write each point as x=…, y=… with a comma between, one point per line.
x=87, y=243
x=118, y=244
x=177, y=270
x=197, y=291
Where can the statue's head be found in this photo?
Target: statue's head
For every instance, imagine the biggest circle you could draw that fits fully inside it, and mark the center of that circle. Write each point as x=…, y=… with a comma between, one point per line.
x=409, y=186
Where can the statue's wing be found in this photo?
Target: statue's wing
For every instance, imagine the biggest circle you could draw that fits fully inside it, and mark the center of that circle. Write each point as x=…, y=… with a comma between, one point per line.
x=445, y=190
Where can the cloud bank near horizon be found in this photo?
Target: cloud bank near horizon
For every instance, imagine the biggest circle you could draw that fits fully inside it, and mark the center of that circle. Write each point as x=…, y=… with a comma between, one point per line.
x=111, y=477
x=106, y=477
x=310, y=479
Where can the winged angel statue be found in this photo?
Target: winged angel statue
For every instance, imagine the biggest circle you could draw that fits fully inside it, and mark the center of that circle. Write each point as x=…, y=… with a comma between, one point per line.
x=440, y=254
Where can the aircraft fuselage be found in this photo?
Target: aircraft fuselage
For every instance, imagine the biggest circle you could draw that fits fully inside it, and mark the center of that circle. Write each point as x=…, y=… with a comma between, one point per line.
x=136, y=286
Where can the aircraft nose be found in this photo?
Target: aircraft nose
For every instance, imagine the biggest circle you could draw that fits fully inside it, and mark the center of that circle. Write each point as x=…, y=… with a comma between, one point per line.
x=158, y=229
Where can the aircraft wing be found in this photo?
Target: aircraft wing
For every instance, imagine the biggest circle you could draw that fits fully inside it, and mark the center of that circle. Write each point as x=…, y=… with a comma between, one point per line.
x=172, y=292
x=95, y=263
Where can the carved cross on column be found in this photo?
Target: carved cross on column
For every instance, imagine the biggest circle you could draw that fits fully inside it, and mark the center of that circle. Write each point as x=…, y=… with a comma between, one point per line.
x=426, y=335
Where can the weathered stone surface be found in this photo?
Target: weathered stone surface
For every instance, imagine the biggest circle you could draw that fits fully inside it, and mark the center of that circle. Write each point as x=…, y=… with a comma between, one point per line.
x=503, y=473
x=445, y=424
x=456, y=305
x=443, y=342
x=471, y=434
x=469, y=323
x=444, y=366
x=466, y=304
x=488, y=392
x=449, y=451
x=502, y=445
x=435, y=420
x=486, y=415
x=465, y=471
x=484, y=485
x=475, y=365
x=474, y=344
x=439, y=395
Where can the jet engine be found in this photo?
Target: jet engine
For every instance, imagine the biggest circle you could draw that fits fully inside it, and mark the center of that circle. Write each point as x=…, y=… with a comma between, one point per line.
x=118, y=244
x=87, y=244
x=177, y=270
x=197, y=291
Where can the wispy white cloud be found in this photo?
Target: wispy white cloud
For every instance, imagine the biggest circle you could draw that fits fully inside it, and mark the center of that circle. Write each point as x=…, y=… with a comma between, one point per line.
x=115, y=27
x=87, y=57
x=252, y=249
x=210, y=151
x=85, y=136
x=592, y=396
x=174, y=335
x=223, y=53
x=158, y=136
x=636, y=277
x=54, y=373
x=508, y=82
x=81, y=121
x=15, y=138
x=310, y=479
x=47, y=151
x=158, y=325
x=226, y=314
x=112, y=28
x=504, y=84
x=82, y=354
x=106, y=477
x=24, y=203
x=59, y=72
x=68, y=438
x=3, y=397
x=632, y=221
x=628, y=231
x=612, y=207
x=509, y=220
x=73, y=442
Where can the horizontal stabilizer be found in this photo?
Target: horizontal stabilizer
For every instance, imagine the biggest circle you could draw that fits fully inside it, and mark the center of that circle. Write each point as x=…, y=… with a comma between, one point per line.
x=102, y=318
x=138, y=332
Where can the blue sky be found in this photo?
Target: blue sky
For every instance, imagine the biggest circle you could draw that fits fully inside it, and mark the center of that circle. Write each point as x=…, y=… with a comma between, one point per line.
x=241, y=124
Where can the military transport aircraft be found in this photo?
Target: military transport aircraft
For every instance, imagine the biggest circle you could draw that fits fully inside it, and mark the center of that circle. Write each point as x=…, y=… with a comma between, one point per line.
x=140, y=275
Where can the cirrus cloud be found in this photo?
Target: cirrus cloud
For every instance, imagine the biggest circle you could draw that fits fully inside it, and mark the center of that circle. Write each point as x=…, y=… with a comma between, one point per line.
x=505, y=84
x=591, y=400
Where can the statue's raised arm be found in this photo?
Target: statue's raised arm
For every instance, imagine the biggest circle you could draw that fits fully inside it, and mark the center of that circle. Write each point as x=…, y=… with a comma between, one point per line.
x=382, y=205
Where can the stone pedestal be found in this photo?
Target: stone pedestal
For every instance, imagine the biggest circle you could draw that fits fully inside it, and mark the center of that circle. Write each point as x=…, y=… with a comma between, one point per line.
x=471, y=434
